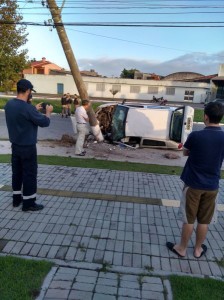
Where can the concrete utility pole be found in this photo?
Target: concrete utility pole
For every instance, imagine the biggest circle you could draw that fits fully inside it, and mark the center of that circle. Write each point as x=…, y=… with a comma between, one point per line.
x=56, y=16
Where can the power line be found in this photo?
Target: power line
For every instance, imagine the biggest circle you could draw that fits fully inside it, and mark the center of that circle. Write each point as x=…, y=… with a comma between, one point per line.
x=134, y=13
x=124, y=40
x=123, y=24
x=119, y=1
x=100, y=6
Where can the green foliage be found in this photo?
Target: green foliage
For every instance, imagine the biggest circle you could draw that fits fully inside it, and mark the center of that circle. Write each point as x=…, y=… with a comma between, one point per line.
x=128, y=73
x=185, y=288
x=199, y=116
x=21, y=279
x=12, y=38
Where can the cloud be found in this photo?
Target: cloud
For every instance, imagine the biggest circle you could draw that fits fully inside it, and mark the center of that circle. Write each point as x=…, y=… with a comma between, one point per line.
x=195, y=62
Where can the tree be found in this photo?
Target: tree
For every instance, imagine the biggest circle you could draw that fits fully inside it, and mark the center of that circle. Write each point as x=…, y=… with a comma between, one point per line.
x=12, y=37
x=114, y=92
x=128, y=73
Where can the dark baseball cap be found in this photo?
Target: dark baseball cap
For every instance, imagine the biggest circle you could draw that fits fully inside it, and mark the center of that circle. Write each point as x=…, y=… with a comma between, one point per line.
x=25, y=85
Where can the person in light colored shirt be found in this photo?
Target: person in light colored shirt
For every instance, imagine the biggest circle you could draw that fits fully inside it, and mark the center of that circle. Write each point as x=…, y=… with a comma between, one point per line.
x=82, y=129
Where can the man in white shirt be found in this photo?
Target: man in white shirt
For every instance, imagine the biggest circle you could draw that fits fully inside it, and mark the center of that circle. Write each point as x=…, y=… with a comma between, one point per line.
x=82, y=120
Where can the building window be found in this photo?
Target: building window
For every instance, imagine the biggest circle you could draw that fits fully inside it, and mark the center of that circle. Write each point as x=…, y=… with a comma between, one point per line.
x=189, y=96
x=153, y=89
x=100, y=87
x=116, y=87
x=170, y=91
x=135, y=89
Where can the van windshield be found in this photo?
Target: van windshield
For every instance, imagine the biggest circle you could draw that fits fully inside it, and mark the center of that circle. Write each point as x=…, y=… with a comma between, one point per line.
x=118, y=123
x=176, y=125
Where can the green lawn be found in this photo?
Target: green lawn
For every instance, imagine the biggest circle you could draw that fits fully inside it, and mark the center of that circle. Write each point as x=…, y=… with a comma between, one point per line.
x=103, y=164
x=21, y=279
x=188, y=288
x=55, y=103
x=199, y=116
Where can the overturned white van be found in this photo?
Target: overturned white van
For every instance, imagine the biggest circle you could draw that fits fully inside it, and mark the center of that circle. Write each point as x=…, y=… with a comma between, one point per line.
x=148, y=126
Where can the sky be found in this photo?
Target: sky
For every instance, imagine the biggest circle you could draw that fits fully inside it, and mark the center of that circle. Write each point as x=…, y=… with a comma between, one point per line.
x=108, y=50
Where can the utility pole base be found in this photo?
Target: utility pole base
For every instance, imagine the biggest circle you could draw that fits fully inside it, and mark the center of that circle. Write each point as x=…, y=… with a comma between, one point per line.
x=97, y=133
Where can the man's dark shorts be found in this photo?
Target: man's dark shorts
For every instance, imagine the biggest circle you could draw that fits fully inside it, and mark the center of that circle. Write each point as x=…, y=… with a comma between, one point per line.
x=198, y=205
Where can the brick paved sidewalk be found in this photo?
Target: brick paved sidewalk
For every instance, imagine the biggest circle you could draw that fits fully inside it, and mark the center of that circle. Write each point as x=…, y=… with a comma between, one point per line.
x=88, y=234
x=74, y=283
x=110, y=182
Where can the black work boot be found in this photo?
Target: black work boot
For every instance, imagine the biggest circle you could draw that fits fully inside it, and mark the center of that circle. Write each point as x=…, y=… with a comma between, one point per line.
x=31, y=205
x=17, y=200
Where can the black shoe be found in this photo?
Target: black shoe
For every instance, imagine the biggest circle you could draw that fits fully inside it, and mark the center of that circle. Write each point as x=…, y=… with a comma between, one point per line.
x=34, y=207
x=17, y=200
x=16, y=203
x=84, y=152
x=81, y=154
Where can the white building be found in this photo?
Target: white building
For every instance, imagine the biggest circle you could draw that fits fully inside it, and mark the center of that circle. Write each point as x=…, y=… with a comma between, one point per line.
x=179, y=91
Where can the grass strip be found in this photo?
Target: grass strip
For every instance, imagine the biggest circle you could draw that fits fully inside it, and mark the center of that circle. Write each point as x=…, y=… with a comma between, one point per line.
x=21, y=279
x=101, y=164
x=56, y=103
x=190, y=288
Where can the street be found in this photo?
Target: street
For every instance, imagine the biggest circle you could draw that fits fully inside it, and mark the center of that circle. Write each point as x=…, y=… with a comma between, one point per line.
x=57, y=128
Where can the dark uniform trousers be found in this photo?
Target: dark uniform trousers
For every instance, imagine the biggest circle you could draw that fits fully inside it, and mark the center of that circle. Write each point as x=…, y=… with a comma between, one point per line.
x=24, y=173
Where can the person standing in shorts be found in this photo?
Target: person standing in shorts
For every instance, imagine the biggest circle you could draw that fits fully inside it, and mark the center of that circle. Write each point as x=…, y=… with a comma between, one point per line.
x=201, y=174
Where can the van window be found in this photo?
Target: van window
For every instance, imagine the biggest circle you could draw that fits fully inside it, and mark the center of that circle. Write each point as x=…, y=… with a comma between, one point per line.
x=119, y=121
x=176, y=125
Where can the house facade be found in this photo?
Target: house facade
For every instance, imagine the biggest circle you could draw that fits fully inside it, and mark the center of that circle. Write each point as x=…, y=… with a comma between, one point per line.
x=179, y=91
x=42, y=67
x=217, y=84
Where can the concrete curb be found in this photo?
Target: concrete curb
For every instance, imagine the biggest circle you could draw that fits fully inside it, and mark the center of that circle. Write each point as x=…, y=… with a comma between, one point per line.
x=113, y=269
x=46, y=283
x=168, y=288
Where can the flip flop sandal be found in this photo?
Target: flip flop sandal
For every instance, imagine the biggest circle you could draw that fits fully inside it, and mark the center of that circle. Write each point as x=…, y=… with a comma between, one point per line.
x=170, y=246
x=204, y=250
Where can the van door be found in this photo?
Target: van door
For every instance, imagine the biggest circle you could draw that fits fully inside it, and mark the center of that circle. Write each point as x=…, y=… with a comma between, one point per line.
x=119, y=122
x=181, y=124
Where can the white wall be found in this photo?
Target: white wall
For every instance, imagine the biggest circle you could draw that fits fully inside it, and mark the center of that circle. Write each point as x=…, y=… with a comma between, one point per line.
x=221, y=70
x=48, y=84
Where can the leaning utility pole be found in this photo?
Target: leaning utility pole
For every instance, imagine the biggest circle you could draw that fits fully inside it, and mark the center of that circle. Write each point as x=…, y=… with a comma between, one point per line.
x=56, y=16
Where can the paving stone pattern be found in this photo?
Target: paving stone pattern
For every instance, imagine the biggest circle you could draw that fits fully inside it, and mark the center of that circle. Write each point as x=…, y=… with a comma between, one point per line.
x=103, y=181
x=125, y=183
x=118, y=235
x=122, y=234
x=73, y=283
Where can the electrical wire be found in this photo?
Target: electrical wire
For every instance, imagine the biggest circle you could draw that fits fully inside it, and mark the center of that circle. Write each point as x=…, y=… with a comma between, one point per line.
x=132, y=13
x=123, y=24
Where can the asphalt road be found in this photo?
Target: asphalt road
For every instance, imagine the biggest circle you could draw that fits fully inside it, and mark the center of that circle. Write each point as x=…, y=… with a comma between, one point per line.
x=57, y=128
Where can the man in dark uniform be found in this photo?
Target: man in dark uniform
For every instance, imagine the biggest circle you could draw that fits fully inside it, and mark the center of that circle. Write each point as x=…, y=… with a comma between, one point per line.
x=23, y=119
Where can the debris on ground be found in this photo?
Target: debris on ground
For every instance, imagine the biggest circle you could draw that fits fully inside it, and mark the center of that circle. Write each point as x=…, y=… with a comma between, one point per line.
x=67, y=139
x=109, y=151
x=171, y=156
